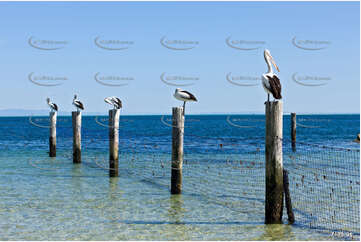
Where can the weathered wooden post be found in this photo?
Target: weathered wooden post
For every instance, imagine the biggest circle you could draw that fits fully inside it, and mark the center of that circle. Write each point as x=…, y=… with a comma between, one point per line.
x=76, y=120
x=293, y=131
x=52, y=134
x=286, y=185
x=274, y=166
x=113, y=142
x=177, y=149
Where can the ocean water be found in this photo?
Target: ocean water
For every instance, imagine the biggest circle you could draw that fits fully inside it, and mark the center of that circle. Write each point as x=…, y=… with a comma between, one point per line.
x=46, y=198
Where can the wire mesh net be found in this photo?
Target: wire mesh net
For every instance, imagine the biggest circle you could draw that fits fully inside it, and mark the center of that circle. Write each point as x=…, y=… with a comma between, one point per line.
x=325, y=187
x=324, y=181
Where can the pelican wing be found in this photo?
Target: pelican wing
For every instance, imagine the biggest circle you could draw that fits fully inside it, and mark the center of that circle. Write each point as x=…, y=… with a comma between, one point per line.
x=79, y=105
x=117, y=102
x=55, y=107
x=191, y=96
x=275, y=86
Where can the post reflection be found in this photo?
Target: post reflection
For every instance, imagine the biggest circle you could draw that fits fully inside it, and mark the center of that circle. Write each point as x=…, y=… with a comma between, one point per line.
x=176, y=217
x=277, y=232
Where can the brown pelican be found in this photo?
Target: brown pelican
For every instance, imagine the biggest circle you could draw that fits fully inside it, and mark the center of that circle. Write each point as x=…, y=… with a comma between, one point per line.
x=77, y=103
x=116, y=102
x=184, y=96
x=270, y=81
x=53, y=106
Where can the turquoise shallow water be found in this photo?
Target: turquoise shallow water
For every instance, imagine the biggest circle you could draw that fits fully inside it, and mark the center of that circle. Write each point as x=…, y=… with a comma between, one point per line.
x=52, y=199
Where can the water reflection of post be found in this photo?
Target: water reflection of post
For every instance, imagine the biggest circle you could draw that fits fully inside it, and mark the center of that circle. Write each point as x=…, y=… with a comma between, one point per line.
x=176, y=215
x=175, y=210
x=277, y=232
x=113, y=187
x=115, y=205
x=76, y=183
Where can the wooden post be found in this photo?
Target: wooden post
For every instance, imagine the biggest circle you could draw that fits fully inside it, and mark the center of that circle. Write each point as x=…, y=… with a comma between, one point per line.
x=274, y=166
x=177, y=149
x=52, y=135
x=76, y=120
x=293, y=131
x=286, y=184
x=113, y=142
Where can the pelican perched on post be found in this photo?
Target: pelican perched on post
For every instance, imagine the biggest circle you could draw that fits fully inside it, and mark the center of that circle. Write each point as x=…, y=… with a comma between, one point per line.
x=184, y=96
x=116, y=102
x=77, y=103
x=270, y=81
x=53, y=106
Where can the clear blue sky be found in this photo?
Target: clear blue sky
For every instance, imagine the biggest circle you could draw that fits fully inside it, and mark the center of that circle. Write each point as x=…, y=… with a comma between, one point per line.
x=145, y=23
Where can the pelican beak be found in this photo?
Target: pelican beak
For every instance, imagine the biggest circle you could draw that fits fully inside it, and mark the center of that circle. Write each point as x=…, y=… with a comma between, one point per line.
x=274, y=63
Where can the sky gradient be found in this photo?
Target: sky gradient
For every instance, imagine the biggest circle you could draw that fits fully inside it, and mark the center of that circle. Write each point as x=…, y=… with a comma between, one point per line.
x=333, y=26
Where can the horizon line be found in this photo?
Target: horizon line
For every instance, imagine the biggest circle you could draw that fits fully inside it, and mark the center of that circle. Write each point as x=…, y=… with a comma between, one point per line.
x=191, y=114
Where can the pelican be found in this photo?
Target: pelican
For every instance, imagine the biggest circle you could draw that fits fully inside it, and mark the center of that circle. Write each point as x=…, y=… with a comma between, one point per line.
x=184, y=96
x=53, y=106
x=116, y=102
x=270, y=81
x=77, y=103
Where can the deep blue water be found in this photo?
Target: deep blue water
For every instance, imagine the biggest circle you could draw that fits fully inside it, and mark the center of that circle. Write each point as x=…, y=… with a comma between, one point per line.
x=200, y=130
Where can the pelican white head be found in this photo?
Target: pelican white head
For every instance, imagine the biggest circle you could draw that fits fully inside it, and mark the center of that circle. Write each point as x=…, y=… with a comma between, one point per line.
x=268, y=57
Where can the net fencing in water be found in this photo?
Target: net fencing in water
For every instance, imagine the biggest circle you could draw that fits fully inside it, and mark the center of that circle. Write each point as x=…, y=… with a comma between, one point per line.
x=324, y=181
x=325, y=187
